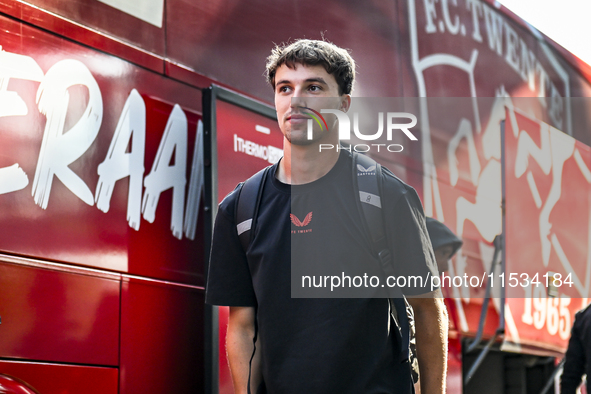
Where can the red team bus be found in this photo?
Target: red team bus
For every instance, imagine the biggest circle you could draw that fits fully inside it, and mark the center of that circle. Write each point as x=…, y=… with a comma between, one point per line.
x=123, y=125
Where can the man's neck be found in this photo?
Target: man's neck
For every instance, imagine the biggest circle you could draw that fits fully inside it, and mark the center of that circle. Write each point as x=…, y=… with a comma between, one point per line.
x=304, y=164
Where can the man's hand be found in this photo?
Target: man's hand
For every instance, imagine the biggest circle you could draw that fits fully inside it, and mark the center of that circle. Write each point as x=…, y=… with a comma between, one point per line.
x=431, y=325
x=239, y=346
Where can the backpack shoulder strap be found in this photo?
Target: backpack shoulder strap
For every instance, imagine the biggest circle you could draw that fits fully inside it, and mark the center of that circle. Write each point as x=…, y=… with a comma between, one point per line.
x=248, y=205
x=367, y=177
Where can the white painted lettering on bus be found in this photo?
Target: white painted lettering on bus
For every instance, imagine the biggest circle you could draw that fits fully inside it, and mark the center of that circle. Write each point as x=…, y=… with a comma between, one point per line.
x=441, y=17
x=62, y=147
x=268, y=153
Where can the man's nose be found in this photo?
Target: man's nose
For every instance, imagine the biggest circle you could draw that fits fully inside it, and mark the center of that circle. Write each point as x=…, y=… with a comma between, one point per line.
x=298, y=101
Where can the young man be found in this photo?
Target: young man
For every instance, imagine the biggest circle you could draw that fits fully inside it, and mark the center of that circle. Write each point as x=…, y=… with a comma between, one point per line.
x=578, y=354
x=306, y=345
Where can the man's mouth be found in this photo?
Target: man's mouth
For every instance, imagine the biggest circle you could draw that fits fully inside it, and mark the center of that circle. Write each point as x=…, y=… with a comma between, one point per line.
x=297, y=118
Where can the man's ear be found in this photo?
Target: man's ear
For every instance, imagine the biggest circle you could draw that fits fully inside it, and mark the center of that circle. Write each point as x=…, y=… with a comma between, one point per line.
x=345, y=102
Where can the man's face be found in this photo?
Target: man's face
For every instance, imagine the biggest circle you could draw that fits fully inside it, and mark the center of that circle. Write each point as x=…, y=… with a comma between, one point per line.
x=442, y=256
x=311, y=87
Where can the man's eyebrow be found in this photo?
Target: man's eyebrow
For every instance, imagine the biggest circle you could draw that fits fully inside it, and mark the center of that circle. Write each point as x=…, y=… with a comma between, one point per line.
x=318, y=79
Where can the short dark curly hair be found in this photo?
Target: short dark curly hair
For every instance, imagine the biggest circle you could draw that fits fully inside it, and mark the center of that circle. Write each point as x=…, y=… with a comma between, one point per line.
x=336, y=61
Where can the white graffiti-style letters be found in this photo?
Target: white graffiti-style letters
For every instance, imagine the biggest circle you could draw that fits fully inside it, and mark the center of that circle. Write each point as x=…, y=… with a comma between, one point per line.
x=60, y=148
x=164, y=176
x=12, y=65
x=118, y=164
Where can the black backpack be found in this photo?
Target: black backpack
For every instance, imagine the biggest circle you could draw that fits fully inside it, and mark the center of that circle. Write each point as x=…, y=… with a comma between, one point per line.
x=367, y=175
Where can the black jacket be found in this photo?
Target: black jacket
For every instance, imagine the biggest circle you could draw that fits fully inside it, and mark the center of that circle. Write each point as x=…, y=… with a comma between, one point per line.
x=578, y=354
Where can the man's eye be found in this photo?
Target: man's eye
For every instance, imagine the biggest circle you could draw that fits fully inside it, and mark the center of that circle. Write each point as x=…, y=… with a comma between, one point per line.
x=283, y=89
x=315, y=88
